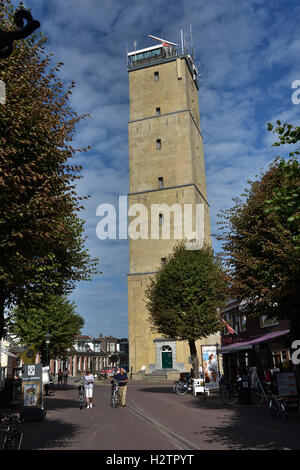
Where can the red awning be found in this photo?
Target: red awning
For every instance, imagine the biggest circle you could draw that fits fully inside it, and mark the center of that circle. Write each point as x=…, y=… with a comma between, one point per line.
x=243, y=345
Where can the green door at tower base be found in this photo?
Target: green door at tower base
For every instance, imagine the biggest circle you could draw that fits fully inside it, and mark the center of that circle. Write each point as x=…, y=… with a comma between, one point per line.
x=166, y=360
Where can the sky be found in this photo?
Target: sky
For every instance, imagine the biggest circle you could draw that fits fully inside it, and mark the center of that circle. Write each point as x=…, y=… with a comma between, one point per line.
x=248, y=55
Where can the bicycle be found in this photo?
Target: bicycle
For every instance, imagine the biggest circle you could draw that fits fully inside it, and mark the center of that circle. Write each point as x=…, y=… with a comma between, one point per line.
x=277, y=403
x=114, y=395
x=13, y=437
x=231, y=393
x=81, y=394
x=182, y=388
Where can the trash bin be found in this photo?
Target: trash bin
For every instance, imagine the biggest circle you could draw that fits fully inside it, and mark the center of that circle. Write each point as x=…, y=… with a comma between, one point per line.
x=244, y=390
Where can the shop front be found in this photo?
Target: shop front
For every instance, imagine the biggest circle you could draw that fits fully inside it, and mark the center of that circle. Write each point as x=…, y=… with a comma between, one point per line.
x=268, y=351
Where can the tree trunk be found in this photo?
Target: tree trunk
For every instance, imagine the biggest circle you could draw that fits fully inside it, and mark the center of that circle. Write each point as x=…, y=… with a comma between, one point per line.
x=194, y=358
x=2, y=304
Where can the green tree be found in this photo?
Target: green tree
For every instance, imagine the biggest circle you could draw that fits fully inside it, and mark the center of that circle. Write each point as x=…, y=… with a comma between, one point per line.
x=184, y=297
x=286, y=198
x=42, y=247
x=56, y=315
x=260, y=236
x=259, y=251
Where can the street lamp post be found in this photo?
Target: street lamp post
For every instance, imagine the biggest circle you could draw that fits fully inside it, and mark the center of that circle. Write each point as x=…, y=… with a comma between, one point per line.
x=7, y=38
x=47, y=342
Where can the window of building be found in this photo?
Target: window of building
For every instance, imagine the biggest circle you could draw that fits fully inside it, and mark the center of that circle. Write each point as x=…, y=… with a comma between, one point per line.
x=160, y=182
x=158, y=113
x=163, y=261
x=156, y=75
x=242, y=323
x=158, y=144
x=264, y=321
x=161, y=219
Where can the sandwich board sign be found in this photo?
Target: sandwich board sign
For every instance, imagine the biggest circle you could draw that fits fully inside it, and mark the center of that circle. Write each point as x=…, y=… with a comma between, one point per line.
x=32, y=393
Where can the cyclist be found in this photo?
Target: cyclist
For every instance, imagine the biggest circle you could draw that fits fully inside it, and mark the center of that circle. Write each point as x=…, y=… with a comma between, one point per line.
x=88, y=387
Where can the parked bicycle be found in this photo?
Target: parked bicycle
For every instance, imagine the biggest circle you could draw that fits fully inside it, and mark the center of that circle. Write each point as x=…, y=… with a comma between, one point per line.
x=232, y=393
x=114, y=394
x=81, y=394
x=182, y=388
x=13, y=437
x=277, y=403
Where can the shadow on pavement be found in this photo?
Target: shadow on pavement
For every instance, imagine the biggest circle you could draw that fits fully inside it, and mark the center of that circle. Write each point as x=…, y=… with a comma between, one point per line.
x=59, y=403
x=248, y=430
x=237, y=427
x=53, y=434
x=157, y=390
x=248, y=427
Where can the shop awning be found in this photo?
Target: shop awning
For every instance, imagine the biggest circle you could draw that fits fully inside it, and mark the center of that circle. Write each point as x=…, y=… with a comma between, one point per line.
x=243, y=345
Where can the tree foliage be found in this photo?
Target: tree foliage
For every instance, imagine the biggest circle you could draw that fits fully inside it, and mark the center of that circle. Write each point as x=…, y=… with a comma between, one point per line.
x=41, y=236
x=56, y=315
x=259, y=243
x=184, y=297
x=286, y=198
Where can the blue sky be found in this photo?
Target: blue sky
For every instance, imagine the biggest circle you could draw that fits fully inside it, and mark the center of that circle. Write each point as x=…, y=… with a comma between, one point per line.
x=248, y=53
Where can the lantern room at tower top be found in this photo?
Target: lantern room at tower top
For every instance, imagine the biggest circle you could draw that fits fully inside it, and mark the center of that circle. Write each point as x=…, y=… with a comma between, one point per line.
x=166, y=51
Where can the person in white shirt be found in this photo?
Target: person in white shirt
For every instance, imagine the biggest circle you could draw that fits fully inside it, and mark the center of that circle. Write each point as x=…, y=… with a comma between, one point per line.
x=88, y=387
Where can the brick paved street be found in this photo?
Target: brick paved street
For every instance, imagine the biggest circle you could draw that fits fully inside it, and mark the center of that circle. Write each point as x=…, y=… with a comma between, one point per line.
x=156, y=418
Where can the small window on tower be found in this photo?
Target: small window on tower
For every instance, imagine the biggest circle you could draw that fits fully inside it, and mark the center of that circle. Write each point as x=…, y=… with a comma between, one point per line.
x=161, y=219
x=160, y=182
x=156, y=75
x=158, y=144
x=158, y=113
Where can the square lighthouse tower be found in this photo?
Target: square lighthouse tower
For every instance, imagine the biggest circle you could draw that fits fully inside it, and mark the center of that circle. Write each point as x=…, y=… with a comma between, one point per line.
x=167, y=172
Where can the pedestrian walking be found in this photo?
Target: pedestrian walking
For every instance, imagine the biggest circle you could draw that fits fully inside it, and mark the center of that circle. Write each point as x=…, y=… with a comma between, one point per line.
x=59, y=376
x=88, y=387
x=66, y=374
x=122, y=380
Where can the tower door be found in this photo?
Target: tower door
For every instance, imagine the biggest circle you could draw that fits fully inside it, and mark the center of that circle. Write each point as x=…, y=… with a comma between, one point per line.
x=166, y=357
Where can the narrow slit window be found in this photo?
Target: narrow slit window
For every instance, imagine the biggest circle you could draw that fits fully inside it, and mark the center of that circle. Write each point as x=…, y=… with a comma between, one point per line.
x=158, y=144
x=161, y=219
x=156, y=76
x=160, y=182
x=158, y=113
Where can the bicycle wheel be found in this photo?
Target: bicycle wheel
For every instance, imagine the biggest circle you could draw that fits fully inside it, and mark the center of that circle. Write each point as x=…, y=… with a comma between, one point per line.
x=7, y=444
x=114, y=400
x=81, y=400
x=13, y=442
x=257, y=397
x=17, y=440
x=273, y=407
x=181, y=390
x=282, y=411
x=229, y=396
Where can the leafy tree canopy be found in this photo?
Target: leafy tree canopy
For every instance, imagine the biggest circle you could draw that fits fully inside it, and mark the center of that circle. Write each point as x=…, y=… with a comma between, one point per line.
x=286, y=198
x=260, y=235
x=184, y=296
x=54, y=314
x=41, y=236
